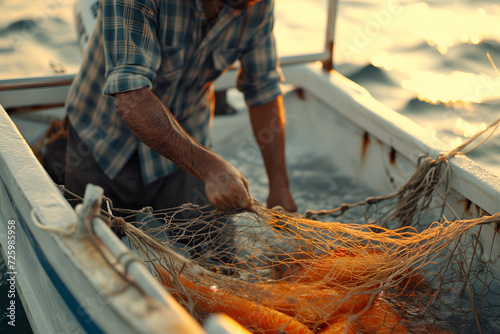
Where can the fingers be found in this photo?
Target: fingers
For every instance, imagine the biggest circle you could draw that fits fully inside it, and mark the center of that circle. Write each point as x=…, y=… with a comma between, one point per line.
x=229, y=194
x=291, y=206
x=282, y=198
x=246, y=202
x=232, y=202
x=226, y=188
x=288, y=207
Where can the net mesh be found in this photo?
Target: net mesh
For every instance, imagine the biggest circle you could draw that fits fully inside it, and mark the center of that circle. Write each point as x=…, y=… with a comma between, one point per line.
x=389, y=264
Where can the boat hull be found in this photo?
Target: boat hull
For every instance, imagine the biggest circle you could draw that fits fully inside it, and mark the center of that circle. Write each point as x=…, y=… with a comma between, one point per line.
x=326, y=112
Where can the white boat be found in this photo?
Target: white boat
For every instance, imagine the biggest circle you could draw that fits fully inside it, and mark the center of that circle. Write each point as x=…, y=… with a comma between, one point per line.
x=66, y=285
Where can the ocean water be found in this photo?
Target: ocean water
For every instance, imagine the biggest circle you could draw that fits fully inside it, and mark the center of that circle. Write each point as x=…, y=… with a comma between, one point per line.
x=428, y=60
x=425, y=59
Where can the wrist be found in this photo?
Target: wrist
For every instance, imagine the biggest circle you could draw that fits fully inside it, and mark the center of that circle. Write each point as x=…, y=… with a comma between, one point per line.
x=212, y=165
x=279, y=183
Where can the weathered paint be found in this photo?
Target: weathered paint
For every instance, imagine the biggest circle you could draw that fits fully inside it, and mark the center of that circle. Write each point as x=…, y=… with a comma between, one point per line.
x=364, y=145
x=392, y=156
x=328, y=63
x=301, y=93
x=467, y=205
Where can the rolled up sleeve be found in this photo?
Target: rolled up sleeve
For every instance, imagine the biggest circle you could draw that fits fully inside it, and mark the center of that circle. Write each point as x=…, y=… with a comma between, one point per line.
x=132, y=51
x=260, y=76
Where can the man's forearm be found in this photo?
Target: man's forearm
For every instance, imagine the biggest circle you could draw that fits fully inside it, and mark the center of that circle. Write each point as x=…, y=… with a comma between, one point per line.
x=268, y=123
x=155, y=126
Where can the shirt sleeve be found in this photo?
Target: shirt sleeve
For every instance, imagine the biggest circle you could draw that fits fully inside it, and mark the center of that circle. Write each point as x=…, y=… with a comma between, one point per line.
x=132, y=51
x=260, y=76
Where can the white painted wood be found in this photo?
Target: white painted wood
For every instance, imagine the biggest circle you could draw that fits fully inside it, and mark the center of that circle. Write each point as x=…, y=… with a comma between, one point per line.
x=36, y=97
x=358, y=107
x=74, y=290
x=35, y=294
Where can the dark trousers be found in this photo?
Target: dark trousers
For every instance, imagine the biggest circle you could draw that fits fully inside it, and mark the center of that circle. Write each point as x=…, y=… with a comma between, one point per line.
x=127, y=191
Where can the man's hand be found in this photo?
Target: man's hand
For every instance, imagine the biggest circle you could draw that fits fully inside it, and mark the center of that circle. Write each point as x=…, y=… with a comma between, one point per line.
x=281, y=196
x=226, y=188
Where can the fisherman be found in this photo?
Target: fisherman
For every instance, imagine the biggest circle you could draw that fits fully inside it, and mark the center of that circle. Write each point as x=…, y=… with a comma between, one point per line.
x=141, y=105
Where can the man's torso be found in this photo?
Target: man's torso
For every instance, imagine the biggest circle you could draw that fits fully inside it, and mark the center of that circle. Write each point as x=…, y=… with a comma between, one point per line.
x=186, y=59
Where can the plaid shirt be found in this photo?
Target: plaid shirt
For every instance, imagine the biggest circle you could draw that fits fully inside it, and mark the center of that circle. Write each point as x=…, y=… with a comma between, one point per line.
x=164, y=45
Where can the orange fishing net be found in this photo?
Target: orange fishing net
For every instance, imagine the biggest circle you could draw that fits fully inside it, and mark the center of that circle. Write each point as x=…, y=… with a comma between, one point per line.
x=392, y=264
x=388, y=264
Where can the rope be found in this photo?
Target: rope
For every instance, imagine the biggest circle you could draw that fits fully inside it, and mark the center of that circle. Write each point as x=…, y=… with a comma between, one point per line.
x=67, y=231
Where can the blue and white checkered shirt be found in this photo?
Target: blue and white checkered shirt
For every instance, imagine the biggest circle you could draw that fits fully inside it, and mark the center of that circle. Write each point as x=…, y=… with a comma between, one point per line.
x=162, y=44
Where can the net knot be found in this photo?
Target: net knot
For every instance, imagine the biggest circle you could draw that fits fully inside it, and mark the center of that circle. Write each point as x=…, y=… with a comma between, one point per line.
x=189, y=206
x=147, y=210
x=117, y=222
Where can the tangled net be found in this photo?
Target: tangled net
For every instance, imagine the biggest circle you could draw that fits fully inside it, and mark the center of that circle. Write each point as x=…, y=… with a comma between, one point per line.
x=392, y=264
x=376, y=271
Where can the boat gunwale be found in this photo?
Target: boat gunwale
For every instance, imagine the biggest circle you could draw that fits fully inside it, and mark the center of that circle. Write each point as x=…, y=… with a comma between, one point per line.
x=394, y=130
x=33, y=192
